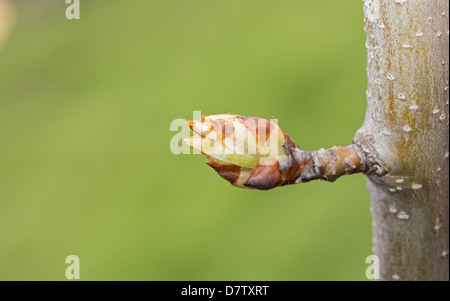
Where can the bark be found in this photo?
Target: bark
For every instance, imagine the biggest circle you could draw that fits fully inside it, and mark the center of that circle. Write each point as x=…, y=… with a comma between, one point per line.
x=405, y=136
x=323, y=164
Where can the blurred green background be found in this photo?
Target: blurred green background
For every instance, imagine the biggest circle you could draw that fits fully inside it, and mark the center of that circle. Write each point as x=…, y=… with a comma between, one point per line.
x=85, y=161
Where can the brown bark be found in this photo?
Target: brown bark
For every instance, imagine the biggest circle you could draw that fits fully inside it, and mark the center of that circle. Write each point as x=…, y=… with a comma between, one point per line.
x=323, y=164
x=405, y=136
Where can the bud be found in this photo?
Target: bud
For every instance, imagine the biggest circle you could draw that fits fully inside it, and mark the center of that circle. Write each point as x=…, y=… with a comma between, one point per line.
x=252, y=152
x=249, y=152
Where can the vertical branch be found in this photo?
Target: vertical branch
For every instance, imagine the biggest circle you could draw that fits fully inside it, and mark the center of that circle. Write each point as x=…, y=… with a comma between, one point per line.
x=406, y=131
